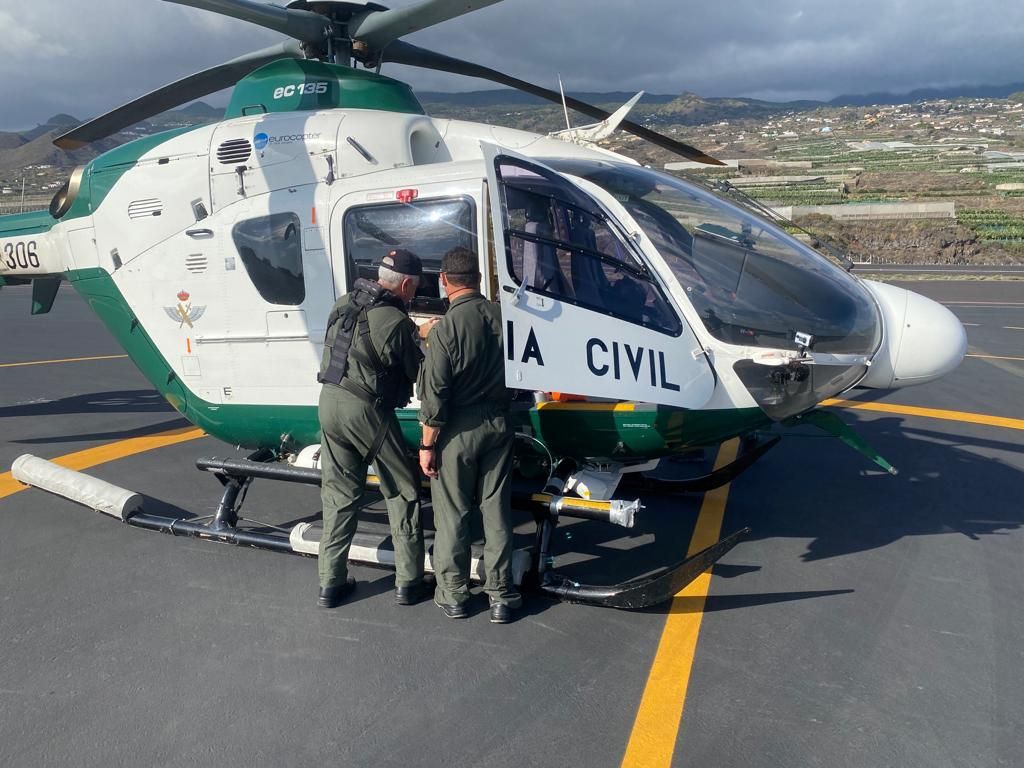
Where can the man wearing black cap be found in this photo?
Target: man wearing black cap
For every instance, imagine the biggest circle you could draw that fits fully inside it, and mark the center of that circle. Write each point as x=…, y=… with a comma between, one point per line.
x=466, y=448
x=370, y=362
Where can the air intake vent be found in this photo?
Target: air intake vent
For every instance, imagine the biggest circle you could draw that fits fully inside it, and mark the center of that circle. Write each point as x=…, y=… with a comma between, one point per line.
x=140, y=209
x=195, y=263
x=234, y=151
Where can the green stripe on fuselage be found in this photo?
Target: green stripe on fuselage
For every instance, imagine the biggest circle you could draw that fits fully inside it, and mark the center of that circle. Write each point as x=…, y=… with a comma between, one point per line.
x=23, y=224
x=646, y=432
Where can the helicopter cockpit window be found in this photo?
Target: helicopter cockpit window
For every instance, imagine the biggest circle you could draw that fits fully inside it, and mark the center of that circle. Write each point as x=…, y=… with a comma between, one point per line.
x=428, y=228
x=751, y=283
x=561, y=244
x=272, y=254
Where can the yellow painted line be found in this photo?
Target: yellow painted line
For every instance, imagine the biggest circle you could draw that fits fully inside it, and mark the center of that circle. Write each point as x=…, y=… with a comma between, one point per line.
x=1013, y=328
x=656, y=728
x=995, y=357
x=552, y=405
x=102, y=454
x=66, y=360
x=931, y=413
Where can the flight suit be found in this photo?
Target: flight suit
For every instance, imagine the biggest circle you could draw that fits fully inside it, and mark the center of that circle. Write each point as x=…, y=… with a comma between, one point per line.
x=462, y=392
x=349, y=422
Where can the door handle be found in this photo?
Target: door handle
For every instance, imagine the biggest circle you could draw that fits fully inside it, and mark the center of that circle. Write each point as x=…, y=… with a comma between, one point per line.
x=199, y=232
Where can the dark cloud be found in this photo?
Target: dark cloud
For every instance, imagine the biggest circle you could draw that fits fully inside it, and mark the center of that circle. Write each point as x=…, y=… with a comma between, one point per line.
x=65, y=56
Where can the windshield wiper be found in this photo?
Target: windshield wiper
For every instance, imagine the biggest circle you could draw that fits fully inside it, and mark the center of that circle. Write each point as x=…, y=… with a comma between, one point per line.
x=725, y=187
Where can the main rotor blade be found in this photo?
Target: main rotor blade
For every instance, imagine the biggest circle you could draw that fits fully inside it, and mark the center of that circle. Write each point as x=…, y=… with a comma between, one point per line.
x=175, y=94
x=403, y=53
x=379, y=28
x=306, y=26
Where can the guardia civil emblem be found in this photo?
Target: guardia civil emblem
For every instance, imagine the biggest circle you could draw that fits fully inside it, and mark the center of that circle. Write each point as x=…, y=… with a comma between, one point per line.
x=184, y=313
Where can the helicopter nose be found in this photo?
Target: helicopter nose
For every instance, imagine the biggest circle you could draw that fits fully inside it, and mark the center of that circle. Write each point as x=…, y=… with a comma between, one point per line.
x=923, y=340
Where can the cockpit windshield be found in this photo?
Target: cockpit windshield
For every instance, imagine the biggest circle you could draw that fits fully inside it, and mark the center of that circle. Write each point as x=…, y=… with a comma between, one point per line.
x=751, y=283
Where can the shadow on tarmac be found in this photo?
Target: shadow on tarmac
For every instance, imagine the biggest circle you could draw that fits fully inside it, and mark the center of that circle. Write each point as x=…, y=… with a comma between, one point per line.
x=811, y=487
x=948, y=483
x=128, y=401
x=105, y=436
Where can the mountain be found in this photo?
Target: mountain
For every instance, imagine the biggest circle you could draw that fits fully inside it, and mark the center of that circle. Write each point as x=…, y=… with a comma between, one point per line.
x=691, y=109
x=40, y=151
x=503, y=106
x=35, y=146
x=928, y=94
x=510, y=97
x=199, y=110
x=685, y=104
x=59, y=123
x=10, y=141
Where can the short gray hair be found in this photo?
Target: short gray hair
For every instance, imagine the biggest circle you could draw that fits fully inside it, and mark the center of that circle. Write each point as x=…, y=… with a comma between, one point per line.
x=391, y=279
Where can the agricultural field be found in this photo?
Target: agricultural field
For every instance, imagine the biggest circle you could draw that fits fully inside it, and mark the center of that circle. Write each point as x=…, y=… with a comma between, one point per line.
x=967, y=152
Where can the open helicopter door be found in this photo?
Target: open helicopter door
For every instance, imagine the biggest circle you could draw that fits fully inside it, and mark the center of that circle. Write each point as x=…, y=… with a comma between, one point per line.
x=582, y=312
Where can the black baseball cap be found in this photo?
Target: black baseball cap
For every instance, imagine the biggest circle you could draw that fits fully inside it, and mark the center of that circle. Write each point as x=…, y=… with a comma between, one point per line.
x=404, y=262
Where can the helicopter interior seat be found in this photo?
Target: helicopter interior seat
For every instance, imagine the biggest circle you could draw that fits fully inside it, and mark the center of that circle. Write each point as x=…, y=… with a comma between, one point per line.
x=590, y=283
x=541, y=267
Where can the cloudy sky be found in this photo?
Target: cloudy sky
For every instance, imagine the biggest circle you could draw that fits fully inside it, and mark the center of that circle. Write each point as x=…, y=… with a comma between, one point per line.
x=85, y=56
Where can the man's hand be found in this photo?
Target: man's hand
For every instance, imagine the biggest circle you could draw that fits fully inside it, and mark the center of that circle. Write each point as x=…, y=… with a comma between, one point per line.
x=428, y=463
x=427, y=327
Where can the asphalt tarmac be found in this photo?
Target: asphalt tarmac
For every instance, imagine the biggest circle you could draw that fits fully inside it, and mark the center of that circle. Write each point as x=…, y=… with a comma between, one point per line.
x=868, y=620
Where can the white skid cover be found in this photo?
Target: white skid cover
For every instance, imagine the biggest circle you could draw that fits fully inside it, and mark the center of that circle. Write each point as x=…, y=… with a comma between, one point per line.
x=77, y=487
x=305, y=540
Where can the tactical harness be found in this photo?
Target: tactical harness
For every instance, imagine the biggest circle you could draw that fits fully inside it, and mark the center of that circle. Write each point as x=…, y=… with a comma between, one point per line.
x=394, y=390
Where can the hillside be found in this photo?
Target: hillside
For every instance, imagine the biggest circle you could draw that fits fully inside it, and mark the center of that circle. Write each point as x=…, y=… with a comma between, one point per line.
x=966, y=153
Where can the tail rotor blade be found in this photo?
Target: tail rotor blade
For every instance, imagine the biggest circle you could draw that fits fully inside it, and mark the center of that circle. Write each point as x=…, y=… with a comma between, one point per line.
x=175, y=94
x=400, y=52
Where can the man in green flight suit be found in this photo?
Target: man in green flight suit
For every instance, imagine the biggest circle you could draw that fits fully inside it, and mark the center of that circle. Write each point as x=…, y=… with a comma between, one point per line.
x=371, y=359
x=466, y=448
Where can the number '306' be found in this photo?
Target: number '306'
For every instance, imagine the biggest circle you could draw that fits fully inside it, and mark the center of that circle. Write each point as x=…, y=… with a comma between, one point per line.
x=20, y=255
x=303, y=89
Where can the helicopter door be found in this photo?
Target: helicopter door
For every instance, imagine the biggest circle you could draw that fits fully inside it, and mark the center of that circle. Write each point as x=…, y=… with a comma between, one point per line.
x=280, y=291
x=582, y=312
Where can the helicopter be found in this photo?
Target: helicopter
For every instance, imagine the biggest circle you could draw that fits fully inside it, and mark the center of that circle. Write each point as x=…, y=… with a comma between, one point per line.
x=645, y=315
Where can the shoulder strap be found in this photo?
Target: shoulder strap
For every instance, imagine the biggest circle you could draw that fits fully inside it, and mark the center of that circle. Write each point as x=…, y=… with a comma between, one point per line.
x=371, y=352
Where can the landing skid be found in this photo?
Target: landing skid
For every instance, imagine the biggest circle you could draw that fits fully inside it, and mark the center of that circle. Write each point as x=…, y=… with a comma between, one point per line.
x=642, y=593
x=531, y=568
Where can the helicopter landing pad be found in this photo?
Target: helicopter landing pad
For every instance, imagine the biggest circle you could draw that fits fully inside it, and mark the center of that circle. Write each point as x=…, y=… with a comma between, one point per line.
x=868, y=620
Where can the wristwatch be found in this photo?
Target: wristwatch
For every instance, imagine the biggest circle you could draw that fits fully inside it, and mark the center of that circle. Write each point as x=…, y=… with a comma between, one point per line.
x=426, y=447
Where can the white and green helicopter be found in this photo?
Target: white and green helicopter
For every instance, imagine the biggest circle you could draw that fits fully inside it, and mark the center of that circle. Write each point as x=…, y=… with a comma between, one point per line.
x=676, y=317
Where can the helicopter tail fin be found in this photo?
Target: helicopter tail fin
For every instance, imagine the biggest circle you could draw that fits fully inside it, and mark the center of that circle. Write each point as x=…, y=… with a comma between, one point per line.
x=602, y=130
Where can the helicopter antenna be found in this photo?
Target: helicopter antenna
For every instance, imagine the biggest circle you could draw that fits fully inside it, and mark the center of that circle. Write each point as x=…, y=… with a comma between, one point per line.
x=565, y=108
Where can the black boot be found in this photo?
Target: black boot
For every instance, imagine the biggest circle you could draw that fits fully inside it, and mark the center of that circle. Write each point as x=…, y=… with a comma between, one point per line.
x=412, y=594
x=501, y=613
x=331, y=597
